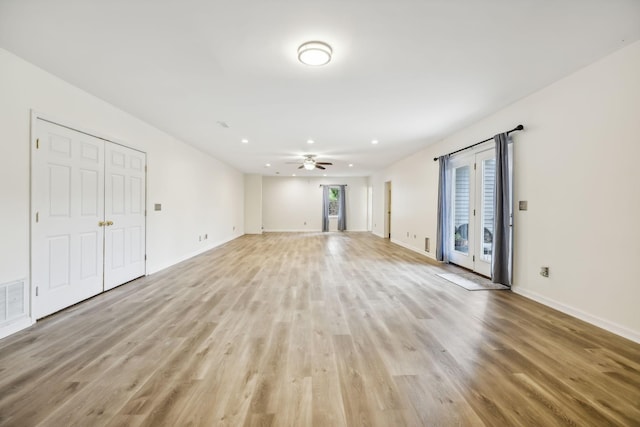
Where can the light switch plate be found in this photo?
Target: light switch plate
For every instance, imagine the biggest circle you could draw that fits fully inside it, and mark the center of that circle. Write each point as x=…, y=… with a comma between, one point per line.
x=157, y=207
x=523, y=205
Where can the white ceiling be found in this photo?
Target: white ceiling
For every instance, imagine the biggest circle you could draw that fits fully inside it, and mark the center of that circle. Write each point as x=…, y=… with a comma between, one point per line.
x=405, y=72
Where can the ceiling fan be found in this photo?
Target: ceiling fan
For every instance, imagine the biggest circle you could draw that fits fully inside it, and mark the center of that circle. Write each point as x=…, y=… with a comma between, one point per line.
x=310, y=163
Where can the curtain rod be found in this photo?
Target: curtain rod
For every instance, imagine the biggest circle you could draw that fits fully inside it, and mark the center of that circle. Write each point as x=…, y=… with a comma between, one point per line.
x=331, y=185
x=519, y=127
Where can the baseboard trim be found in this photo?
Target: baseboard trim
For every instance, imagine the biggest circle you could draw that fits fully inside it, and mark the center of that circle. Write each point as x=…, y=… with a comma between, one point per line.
x=15, y=326
x=306, y=230
x=154, y=269
x=411, y=248
x=311, y=231
x=572, y=311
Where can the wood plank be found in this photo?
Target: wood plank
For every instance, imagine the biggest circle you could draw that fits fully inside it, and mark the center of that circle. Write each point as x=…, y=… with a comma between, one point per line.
x=314, y=329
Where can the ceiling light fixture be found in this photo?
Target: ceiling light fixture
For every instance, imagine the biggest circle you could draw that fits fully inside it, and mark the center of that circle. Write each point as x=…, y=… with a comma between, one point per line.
x=309, y=164
x=374, y=142
x=310, y=141
x=314, y=53
x=350, y=165
x=245, y=141
x=268, y=165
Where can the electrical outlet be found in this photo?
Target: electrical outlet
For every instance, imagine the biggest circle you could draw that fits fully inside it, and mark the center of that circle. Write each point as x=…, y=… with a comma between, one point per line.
x=407, y=234
x=234, y=228
x=305, y=223
x=544, y=271
x=206, y=236
x=414, y=236
x=199, y=238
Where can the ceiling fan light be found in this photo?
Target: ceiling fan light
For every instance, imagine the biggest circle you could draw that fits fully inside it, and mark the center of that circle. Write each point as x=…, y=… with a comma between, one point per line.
x=314, y=53
x=309, y=164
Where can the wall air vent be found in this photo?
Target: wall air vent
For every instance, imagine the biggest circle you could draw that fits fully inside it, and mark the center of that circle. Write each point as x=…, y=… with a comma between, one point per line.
x=12, y=301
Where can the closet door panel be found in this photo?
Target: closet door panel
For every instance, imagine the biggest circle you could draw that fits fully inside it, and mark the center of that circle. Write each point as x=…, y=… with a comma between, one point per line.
x=68, y=207
x=125, y=183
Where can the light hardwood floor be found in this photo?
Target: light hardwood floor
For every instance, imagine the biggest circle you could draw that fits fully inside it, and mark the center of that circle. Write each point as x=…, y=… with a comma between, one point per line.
x=314, y=329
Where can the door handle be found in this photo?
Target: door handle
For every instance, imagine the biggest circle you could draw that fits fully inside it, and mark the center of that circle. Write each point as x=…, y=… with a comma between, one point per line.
x=108, y=223
x=102, y=224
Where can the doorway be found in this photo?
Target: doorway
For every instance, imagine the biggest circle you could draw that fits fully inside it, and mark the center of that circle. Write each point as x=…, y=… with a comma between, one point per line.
x=88, y=201
x=387, y=210
x=472, y=211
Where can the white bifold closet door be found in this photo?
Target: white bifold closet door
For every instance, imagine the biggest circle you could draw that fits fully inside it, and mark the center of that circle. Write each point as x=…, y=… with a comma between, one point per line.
x=71, y=201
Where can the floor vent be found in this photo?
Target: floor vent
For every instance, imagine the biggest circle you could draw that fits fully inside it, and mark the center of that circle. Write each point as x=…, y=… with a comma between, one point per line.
x=12, y=301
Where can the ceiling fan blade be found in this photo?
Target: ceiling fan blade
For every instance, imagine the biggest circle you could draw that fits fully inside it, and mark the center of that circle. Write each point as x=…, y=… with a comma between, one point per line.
x=300, y=167
x=320, y=167
x=324, y=163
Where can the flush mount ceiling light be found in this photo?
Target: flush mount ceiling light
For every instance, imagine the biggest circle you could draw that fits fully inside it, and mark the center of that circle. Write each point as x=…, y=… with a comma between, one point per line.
x=314, y=53
x=245, y=141
x=310, y=141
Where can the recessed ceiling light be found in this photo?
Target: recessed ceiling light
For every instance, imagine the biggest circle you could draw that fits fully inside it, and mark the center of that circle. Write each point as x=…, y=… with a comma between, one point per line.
x=268, y=165
x=314, y=53
x=374, y=142
x=293, y=174
x=350, y=165
x=245, y=141
x=310, y=141
x=324, y=174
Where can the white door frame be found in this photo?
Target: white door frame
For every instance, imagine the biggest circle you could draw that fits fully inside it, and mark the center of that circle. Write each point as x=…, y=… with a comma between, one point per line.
x=35, y=116
x=474, y=259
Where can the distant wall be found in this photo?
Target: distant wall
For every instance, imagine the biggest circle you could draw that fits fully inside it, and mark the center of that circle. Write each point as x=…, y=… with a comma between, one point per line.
x=295, y=203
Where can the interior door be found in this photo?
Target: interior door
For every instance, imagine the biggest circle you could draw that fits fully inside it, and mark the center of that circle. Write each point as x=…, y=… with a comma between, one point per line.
x=68, y=206
x=461, y=240
x=387, y=210
x=124, y=215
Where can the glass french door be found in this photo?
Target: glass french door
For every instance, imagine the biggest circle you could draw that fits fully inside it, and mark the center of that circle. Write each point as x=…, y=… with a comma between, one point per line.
x=472, y=204
x=461, y=225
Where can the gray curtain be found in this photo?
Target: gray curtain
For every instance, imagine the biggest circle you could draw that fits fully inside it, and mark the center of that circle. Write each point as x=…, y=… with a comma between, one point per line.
x=442, y=238
x=325, y=208
x=501, y=260
x=342, y=209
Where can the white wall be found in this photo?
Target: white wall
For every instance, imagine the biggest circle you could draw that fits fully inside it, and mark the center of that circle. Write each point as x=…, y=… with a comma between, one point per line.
x=576, y=164
x=253, y=204
x=199, y=194
x=295, y=203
